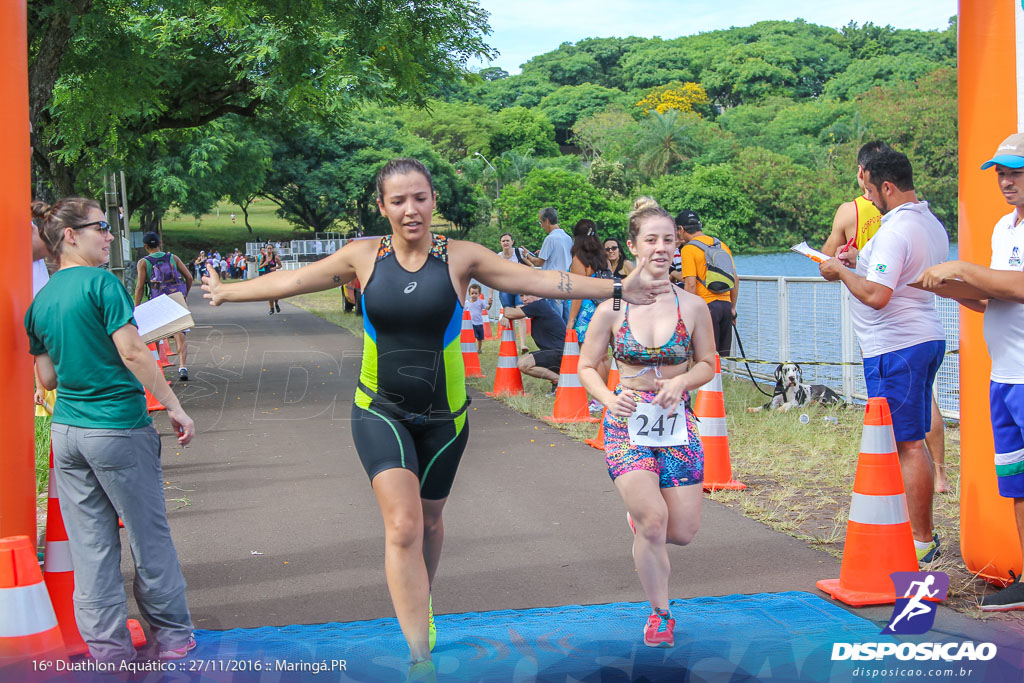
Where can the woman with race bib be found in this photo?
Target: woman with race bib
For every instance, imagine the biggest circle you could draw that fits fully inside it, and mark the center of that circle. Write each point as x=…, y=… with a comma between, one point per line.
x=652, y=446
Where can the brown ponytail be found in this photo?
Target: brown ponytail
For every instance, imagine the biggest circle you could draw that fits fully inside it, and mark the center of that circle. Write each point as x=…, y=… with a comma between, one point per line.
x=66, y=213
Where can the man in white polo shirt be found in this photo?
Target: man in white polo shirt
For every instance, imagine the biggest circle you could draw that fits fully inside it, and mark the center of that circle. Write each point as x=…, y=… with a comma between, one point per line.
x=1003, y=282
x=898, y=326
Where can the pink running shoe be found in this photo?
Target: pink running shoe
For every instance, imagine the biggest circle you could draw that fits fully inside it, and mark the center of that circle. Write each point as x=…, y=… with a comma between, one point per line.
x=658, y=631
x=179, y=652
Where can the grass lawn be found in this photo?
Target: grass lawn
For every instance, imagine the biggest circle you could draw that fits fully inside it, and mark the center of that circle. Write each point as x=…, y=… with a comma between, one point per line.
x=799, y=476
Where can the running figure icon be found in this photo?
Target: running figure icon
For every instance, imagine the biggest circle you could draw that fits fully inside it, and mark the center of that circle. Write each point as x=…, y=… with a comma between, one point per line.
x=916, y=607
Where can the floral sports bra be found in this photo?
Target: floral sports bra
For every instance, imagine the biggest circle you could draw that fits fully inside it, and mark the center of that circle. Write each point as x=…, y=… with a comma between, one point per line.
x=626, y=349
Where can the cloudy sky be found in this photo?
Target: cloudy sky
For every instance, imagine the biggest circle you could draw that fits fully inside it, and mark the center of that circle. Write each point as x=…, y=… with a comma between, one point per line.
x=524, y=28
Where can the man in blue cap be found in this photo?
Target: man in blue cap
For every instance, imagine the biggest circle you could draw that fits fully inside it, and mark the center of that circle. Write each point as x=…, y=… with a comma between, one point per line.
x=1003, y=283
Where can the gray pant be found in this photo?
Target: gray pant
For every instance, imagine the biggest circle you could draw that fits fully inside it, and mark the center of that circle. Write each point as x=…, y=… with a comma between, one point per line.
x=103, y=474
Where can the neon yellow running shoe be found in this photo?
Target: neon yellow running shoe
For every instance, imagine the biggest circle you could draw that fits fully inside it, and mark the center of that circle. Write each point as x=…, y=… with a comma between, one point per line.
x=431, y=629
x=422, y=672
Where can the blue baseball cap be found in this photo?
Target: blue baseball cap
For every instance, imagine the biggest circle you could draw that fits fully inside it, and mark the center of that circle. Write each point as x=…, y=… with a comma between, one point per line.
x=1010, y=153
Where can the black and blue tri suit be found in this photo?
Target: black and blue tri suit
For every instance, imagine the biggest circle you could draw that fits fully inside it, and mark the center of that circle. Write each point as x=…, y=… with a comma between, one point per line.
x=410, y=403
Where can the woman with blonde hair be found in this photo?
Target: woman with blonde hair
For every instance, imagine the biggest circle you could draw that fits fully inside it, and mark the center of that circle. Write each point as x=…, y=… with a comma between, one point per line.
x=652, y=447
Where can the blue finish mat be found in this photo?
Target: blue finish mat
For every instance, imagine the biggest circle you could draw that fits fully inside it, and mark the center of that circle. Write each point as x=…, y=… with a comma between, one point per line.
x=764, y=637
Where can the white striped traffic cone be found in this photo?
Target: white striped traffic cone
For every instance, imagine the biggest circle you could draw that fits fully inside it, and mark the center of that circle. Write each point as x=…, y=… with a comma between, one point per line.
x=28, y=626
x=710, y=411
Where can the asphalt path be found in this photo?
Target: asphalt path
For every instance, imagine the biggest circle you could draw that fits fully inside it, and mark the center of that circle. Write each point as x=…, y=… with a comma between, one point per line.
x=275, y=522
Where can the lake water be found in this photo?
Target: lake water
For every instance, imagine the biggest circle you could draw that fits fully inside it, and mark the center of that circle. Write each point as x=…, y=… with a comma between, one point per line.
x=790, y=263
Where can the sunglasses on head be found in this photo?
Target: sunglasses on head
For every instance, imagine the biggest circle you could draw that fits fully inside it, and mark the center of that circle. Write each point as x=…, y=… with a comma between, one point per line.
x=100, y=226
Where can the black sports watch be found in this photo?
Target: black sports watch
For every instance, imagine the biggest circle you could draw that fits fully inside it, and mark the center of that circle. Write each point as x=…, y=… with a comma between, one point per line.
x=616, y=293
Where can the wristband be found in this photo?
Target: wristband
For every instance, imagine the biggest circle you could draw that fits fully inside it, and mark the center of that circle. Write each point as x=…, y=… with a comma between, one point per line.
x=616, y=293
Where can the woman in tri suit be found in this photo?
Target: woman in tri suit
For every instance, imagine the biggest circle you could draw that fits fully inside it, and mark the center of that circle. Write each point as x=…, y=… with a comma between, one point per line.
x=410, y=424
x=652, y=447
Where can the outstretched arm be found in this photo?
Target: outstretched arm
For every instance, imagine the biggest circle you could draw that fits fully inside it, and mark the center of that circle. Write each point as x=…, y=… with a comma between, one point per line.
x=496, y=272
x=333, y=271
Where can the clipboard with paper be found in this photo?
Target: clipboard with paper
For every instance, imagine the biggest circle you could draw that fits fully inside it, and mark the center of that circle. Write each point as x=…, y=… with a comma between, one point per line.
x=163, y=316
x=805, y=250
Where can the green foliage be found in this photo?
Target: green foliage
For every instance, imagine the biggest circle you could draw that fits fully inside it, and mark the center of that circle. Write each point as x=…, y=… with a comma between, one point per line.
x=570, y=194
x=524, y=131
x=609, y=176
x=570, y=103
x=717, y=196
x=521, y=90
x=102, y=73
x=455, y=129
x=611, y=133
x=920, y=120
x=862, y=75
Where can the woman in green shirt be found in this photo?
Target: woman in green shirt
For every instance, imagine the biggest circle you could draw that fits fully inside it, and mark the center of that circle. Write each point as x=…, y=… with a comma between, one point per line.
x=106, y=451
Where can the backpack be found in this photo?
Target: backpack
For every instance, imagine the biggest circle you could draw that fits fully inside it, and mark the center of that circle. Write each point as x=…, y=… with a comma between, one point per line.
x=721, y=275
x=164, y=277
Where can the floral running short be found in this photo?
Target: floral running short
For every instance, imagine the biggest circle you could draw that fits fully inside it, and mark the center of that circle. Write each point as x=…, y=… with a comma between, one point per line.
x=674, y=465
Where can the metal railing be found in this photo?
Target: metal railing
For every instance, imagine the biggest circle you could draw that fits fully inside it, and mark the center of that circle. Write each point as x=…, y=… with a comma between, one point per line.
x=806, y=320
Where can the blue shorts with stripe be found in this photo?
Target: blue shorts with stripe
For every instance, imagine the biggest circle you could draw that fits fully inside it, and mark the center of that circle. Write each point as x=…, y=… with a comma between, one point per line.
x=904, y=378
x=1007, y=401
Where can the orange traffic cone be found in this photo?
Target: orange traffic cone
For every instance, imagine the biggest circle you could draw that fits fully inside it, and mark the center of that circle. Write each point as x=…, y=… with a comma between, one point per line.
x=507, y=378
x=613, y=381
x=571, y=402
x=59, y=575
x=159, y=355
x=153, y=405
x=28, y=626
x=167, y=344
x=488, y=332
x=710, y=411
x=470, y=358
x=878, y=536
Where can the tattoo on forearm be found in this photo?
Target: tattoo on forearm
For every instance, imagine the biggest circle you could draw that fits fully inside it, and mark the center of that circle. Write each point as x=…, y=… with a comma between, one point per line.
x=337, y=279
x=564, y=283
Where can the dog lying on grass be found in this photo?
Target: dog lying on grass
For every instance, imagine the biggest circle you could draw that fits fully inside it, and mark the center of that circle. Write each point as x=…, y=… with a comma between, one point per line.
x=791, y=392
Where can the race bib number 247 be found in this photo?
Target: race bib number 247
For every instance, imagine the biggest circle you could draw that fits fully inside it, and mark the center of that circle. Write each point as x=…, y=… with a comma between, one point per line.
x=657, y=427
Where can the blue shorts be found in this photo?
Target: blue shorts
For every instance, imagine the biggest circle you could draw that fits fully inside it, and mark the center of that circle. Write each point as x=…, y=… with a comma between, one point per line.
x=478, y=331
x=509, y=300
x=1007, y=401
x=905, y=379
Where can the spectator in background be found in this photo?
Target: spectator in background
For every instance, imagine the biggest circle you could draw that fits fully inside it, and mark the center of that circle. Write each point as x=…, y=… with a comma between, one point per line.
x=477, y=308
x=705, y=274
x=588, y=259
x=617, y=261
x=515, y=254
x=554, y=253
x=224, y=272
x=548, y=332
x=200, y=264
x=161, y=272
x=900, y=333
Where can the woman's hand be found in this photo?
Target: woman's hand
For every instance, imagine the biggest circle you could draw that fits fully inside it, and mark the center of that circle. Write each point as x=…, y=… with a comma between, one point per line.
x=639, y=288
x=182, y=425
x=670, y=392
x=211, y=285
x=622, y=404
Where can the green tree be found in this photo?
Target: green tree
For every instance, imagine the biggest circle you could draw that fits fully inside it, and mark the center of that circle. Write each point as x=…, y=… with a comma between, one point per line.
x=104, y=71
x=525, y=131
x=611, y=134
x=863, y=75
x=665, y=140
x=717, y=197
x=920, y=120
x=570, y=103
x=455, y=129
x=570, y=194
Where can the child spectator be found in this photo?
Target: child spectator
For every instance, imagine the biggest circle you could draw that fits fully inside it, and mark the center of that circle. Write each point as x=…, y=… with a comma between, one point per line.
x=476, y=308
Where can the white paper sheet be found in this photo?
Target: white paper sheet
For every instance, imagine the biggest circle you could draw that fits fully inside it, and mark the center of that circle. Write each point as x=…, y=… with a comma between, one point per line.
x=157, y=313
x=809, y=252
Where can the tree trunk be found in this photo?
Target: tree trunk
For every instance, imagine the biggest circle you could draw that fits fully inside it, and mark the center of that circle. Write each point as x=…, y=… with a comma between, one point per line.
x=245, y=214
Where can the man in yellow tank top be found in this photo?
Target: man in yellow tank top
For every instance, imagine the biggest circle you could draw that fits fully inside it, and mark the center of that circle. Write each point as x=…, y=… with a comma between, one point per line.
x=860, y=219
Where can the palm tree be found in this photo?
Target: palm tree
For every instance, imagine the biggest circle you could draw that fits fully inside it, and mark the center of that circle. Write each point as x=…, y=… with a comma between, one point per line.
x=665, y=141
